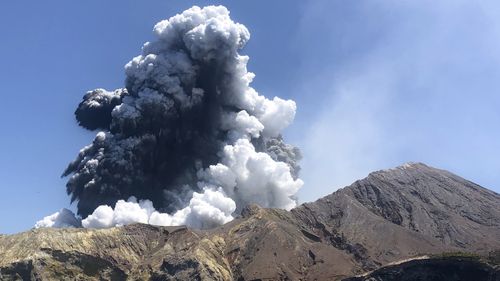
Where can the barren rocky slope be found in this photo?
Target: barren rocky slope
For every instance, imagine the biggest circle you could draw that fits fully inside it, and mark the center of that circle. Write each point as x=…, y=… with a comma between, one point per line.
x=408, y=210
x=390, y=215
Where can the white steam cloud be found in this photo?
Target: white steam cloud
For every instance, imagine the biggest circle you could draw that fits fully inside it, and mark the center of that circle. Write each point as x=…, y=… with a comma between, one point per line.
x=205, y=210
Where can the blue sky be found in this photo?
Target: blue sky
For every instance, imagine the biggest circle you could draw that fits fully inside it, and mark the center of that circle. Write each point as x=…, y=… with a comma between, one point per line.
x=377, y=83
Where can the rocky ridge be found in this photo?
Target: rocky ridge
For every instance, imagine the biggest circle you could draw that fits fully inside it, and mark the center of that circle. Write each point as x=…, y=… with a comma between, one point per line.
x=390, y=215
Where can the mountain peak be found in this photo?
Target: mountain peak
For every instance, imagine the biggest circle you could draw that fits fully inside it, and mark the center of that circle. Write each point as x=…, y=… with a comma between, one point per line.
x=435, y=202
x=411, y=167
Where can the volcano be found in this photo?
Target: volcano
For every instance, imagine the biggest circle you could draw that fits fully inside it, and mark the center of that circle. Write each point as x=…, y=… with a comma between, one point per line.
x=407, y=220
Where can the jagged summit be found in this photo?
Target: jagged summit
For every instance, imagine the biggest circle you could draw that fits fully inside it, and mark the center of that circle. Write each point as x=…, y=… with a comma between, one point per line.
x=412, y=169
x=409, y=165
x=390, y=215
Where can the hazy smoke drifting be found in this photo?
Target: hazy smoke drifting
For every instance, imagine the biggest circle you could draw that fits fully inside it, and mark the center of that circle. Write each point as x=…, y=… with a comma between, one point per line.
x=187, y=135
x=63, y=218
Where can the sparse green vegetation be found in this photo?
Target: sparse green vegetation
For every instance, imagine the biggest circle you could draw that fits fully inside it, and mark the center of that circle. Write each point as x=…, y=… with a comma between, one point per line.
x=492, y=257
x=457, y=255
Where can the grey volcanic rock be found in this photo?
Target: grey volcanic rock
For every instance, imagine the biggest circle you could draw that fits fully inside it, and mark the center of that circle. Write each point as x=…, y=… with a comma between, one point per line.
x=406, y=211
x=433, y=202
x=389, y=216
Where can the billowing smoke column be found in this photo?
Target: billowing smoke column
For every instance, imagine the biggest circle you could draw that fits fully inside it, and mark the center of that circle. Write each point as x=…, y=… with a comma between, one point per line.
x=187, y=141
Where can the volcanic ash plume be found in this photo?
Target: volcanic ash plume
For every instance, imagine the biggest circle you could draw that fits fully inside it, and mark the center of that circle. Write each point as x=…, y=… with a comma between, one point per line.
x=187, y=141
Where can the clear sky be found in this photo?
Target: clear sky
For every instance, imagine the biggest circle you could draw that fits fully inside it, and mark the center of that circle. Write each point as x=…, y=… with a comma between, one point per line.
x=377, y=83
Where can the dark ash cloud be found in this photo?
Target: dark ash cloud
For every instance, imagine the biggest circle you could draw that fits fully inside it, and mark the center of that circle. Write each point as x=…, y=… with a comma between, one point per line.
x=187, y=136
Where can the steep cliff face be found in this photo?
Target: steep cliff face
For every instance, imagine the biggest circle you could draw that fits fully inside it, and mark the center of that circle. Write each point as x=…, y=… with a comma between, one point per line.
x=388, y=216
